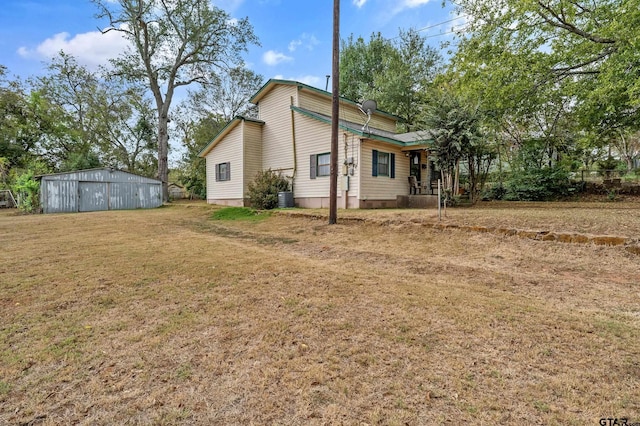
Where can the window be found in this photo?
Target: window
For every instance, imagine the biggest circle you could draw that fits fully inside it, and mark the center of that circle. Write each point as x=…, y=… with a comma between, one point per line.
x=320, y=165
x=223, y=172
x=324, y=164
x=384, y=164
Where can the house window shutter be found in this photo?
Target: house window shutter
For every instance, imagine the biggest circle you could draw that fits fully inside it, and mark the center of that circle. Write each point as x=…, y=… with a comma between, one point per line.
x=217, y=172
x=374, y=163
x=312, y=166
x=228, y=176
x=392, y=170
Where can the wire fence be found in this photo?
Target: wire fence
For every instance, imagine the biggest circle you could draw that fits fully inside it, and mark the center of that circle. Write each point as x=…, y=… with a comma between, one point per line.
x=607, y=176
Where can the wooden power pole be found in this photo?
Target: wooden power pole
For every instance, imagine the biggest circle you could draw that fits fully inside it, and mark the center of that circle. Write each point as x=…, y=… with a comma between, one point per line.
x=335, y=115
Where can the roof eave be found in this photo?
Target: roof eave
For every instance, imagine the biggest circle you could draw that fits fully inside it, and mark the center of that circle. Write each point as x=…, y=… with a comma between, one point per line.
x=225, y=131
x=351, y=129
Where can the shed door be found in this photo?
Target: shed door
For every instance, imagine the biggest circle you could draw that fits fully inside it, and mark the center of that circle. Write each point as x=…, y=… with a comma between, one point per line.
x=60, y=196
x=123, y=196
x=94, y=196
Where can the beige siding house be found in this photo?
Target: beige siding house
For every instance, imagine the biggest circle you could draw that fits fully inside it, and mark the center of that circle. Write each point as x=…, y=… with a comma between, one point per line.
x=292, y=135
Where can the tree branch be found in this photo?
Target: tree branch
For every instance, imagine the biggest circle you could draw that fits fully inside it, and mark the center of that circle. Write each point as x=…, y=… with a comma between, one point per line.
x=561, y=22
x=575, y=69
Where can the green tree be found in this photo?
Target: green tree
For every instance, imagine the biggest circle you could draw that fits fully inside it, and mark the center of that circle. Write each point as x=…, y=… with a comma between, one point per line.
x=360, y=63
x=174, y=44
x=521, y=55
x=26, y=119
x=456, y=128
x=405, y=85
x=125, y=130
x=4, y=172
x=398, y=75
x=72, y=90
x=628, y=147
x=196, y=134
x=107, y=120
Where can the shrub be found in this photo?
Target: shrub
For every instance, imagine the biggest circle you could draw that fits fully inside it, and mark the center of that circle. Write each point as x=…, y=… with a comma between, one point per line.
x=27, y=189
x=610, y=164
x=538, y=185
x=264, y=189
x=495, y=192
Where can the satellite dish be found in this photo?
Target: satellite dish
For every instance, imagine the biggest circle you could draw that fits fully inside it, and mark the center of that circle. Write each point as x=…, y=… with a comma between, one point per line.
x=368, y=107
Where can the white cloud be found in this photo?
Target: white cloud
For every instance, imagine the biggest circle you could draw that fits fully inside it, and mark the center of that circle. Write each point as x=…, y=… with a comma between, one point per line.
x=359, y=3
x=414, y=3
x=308, y=41
x=408, y=4
x=90, y=49
x=294, y=44
x=272, y=57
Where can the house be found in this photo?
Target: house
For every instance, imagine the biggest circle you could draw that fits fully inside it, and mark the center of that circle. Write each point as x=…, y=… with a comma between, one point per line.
x=292, y=135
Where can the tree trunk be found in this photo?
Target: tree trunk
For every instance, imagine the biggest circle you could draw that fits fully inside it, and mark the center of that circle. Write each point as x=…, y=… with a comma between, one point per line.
x=474, y=172
x=456, y=182
x=163, y=154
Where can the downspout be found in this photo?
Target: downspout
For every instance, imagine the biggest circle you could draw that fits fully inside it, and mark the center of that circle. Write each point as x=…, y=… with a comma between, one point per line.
x=293, y=140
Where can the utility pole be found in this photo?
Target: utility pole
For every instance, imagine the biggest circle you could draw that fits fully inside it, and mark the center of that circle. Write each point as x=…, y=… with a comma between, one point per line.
x=335, y=116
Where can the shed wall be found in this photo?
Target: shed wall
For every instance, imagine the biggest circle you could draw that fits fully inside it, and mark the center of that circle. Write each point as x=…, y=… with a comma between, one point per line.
x=96, y=190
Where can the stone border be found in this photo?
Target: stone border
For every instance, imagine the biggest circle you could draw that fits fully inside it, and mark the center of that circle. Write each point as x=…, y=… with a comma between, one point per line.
x=631, y=245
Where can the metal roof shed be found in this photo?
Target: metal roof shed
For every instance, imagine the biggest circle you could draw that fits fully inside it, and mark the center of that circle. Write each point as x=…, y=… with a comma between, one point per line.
x=98, y=189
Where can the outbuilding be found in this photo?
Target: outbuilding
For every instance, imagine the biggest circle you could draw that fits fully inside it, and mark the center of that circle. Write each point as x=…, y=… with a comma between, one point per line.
x=177, y=192
x=98, y=189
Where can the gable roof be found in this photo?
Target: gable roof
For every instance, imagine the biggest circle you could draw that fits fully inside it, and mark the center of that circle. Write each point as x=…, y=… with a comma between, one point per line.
x=272, y=83
x=225, y=131
x=96, y=171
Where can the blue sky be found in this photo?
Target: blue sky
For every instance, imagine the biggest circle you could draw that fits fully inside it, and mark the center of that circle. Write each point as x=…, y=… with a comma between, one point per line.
x=295, y=35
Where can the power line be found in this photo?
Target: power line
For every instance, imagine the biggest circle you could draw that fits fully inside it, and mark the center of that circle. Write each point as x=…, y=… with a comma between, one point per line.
x=435, y=25
x=448, y=32
x=441, y=23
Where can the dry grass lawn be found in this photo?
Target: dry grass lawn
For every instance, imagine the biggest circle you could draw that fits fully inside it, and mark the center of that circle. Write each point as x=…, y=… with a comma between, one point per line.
x=168, y=317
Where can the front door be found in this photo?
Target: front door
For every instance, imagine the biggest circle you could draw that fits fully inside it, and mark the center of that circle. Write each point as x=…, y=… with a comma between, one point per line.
x=414, y=164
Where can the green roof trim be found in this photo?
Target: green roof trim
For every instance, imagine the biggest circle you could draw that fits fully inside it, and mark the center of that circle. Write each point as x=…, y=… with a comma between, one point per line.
x=352, y=127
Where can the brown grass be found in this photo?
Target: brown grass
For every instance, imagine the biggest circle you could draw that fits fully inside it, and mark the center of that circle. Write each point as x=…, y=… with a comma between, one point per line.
x=167, y=317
